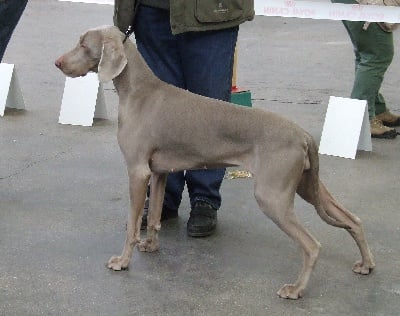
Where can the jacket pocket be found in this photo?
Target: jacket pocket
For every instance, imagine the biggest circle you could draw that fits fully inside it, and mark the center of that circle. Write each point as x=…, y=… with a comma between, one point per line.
x=214, y=11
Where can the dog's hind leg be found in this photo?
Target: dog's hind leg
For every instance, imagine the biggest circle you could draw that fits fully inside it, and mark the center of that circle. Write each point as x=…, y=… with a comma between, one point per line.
x=340, y=213
x=157, y=190
x=138, y=181
x=311, y=189
x=279, y=207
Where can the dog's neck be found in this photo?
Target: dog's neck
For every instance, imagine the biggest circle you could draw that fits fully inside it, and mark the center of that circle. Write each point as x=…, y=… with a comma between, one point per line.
x=136, y=72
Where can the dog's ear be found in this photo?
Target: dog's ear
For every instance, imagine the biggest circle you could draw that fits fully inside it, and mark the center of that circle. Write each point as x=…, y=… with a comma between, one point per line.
x=113, y=59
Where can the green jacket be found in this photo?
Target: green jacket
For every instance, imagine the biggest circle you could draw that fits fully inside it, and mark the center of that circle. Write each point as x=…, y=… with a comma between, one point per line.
x=193, y=15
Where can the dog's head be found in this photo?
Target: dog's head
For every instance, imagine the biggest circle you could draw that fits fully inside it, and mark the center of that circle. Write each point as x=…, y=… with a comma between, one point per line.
x=100, y=50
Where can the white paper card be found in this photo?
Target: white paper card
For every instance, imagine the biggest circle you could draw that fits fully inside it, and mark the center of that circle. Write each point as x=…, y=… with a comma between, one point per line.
x=110, y=2
x=83, y=100
x=327, y=10
x=346, y=128
x=10, y=91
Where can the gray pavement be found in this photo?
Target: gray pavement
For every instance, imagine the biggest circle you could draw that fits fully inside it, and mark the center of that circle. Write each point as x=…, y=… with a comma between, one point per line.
x=64, y=197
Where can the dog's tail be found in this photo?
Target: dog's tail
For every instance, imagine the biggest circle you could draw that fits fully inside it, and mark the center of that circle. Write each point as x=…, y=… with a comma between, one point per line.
x=311, y=188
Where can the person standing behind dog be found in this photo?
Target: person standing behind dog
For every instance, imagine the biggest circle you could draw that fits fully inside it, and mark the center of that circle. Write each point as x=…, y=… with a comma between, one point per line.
x=189, y=44
x=374, y=51
x=10, y=13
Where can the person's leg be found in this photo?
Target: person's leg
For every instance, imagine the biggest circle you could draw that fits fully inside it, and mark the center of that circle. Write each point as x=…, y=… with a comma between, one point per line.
x=207, y=59
x=10, y=13
x=374, y=49
x=159, y=48
x=374, y=52
x=380, y=104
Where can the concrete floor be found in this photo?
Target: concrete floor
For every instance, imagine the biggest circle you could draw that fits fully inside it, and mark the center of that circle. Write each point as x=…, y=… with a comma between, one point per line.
x=64, y=199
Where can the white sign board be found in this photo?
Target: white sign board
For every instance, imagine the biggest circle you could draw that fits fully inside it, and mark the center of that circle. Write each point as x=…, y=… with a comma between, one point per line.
x=110, y=2
x=10, y=91
x=346, y=128
x=327, y=10
x=313, y=10
x=83, y=100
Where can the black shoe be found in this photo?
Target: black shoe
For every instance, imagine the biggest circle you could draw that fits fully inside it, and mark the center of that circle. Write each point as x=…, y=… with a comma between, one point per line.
x=166, y=213
x=202, y=221
x=386, y=135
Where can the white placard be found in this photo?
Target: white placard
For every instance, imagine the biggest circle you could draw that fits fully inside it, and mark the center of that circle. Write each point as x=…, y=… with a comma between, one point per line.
x=346, y=128
x=111, y=2
x=10, y=91
x=83, y=100
x=312, y=10
x=327, y=11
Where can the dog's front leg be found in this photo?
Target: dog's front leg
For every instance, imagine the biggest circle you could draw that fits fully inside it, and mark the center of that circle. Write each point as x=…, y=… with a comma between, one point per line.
x=157, y=190
x=137, y=189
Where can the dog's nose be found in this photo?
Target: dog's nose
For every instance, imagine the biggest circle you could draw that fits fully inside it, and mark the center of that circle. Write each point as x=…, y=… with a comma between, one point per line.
x=58, y=62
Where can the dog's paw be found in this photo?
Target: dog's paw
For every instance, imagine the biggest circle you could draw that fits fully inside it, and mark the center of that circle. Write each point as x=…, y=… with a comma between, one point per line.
x=290, y=291
x=362, y=268
x=116, y=263
x=148, y=245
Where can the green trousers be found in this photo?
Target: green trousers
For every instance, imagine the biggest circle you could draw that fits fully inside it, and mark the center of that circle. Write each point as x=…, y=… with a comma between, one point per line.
x=374, y=50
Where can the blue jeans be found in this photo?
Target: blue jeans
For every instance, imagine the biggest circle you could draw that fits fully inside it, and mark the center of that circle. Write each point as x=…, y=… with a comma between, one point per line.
x=10, y=12
x=201, y=62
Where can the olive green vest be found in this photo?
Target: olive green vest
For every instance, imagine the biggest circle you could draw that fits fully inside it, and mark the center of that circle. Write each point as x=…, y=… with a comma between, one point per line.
x=193, y=15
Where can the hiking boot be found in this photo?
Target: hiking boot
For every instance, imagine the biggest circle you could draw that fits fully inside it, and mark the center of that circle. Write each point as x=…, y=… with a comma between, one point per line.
x=202, y=221
x=378, y=130
x=166, y=213
x=389, y=119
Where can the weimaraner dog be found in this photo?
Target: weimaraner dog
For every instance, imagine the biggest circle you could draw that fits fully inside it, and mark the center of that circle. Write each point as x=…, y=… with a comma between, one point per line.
x=163, y=129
